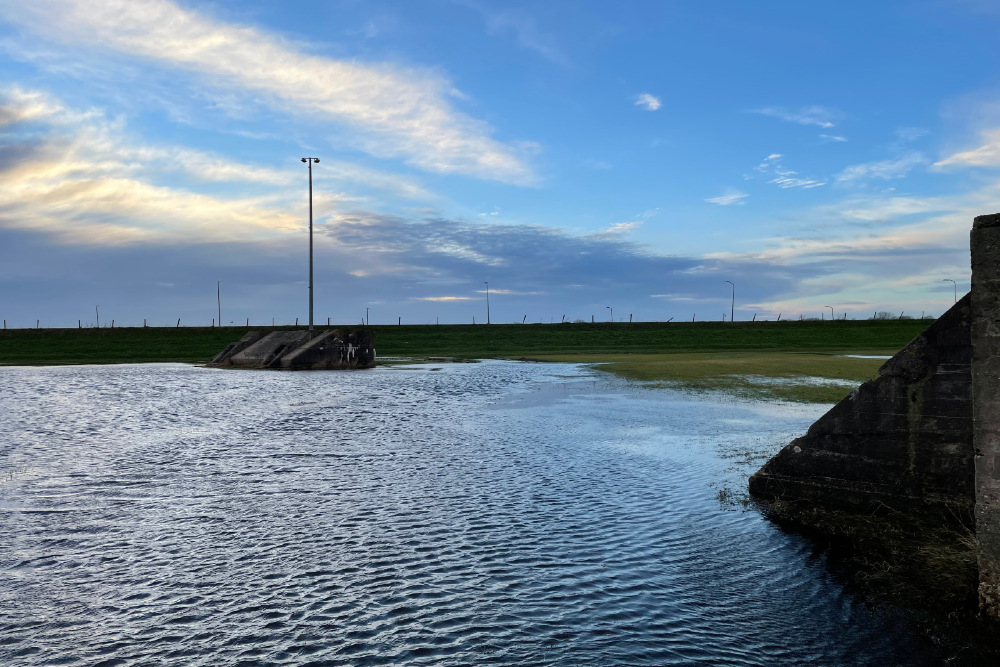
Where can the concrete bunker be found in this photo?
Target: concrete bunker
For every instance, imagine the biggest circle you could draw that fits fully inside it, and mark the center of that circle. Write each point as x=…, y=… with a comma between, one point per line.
x=300, y=350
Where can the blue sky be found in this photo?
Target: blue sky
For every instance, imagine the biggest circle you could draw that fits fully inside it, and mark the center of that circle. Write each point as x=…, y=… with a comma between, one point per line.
x=576, y=155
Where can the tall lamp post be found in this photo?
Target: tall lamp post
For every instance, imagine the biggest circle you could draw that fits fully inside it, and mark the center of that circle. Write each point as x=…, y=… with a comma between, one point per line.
x=954, y=285
x=832, y=317
x=486, y=282
x=367, y=321
x=218, y=298
x=97, y=309
x=612, y=313
x=310, y=161
x=732, y=303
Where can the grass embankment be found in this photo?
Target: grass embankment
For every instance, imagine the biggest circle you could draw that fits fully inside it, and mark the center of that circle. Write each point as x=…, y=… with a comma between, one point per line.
x=738, y=357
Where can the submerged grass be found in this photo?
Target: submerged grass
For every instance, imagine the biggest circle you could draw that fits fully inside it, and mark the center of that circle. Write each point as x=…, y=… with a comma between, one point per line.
x=790, y=376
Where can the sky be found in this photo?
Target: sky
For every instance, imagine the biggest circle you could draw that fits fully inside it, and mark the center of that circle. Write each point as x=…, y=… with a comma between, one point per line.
x=585, y=159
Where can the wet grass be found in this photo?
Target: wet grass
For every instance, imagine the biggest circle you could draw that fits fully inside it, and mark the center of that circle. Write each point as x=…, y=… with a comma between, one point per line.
x=791, y=376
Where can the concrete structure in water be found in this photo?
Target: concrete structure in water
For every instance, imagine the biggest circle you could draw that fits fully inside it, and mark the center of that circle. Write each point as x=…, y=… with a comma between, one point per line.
x=922, y=439
x=300, y=350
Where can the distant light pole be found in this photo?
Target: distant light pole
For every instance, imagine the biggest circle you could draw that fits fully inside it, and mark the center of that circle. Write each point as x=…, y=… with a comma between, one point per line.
x=98, y=310
x=218, y=298
x=954, y=284
x=487, y=301
x=612, y=313
x=366, y=317
x=310, y=161
x=832, y=317
x=732, y=303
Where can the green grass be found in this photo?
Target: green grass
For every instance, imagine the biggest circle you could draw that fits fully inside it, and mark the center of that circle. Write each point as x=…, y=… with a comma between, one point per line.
x=701, y=355
x=746, y=374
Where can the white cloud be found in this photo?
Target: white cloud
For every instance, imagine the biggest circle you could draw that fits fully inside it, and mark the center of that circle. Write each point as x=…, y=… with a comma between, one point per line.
x=782, y=177
x=80, y=178
x=648, y=102
x=396, y=112
x=910, y=133
x=884, y=170
x=824, y=117
x=730, y=197
x=832, y=137
x=986, y=155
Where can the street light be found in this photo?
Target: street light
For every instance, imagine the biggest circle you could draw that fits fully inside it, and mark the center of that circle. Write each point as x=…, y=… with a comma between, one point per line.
x=954, y=284
x=218, y=297
x=487, y=301
x=310, y=161
x=732, y=304
x=98, y=310
x=367, y=322
x=831, y=312
x=612, y=313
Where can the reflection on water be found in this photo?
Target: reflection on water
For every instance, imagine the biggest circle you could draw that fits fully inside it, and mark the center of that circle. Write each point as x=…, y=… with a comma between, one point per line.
x=444, y=514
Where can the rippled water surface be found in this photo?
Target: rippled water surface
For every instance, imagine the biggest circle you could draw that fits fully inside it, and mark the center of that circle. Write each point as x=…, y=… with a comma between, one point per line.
x=462, y=514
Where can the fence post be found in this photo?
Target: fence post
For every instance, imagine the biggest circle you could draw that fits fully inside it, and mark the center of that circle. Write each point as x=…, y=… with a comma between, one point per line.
x=178, y=322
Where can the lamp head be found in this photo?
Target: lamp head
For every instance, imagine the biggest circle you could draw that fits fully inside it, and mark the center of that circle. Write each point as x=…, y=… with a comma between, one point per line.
x=316, y=160
x=303, y=159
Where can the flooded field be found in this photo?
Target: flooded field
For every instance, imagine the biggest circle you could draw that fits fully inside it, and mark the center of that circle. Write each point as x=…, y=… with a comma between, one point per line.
x=452, y=514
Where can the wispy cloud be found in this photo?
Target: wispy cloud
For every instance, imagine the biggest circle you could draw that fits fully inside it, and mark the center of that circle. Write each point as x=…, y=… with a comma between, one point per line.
x=443, y=298
x=883, y=170
x=618, y=229
x=396, y=112
x=80, y=178
x=832, y=138
x=729, y=197
x=820, y=116
x=986, y=155
x=526, y=32
x=772, y=169
x=648, y=102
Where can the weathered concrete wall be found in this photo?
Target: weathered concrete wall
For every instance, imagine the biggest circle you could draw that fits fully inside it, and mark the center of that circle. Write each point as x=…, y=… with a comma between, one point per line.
x=901, y=442
x=300, y=350
x=920, y=440
x=985, y=243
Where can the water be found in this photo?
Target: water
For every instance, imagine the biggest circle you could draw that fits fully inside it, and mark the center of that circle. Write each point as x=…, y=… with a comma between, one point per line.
x=502, y=513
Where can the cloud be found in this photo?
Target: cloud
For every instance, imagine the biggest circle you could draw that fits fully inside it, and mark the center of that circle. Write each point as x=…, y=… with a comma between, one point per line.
x=620, y=228
x=771, y=168
x=648, y=102
x=907, y=134
x=526, y=33
x=883, y=170
x=824, y=117
x=81, y=179
x=832, y=138
x=986, y=155
x=729, y=197
x=393, y=111
x=443, y=298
